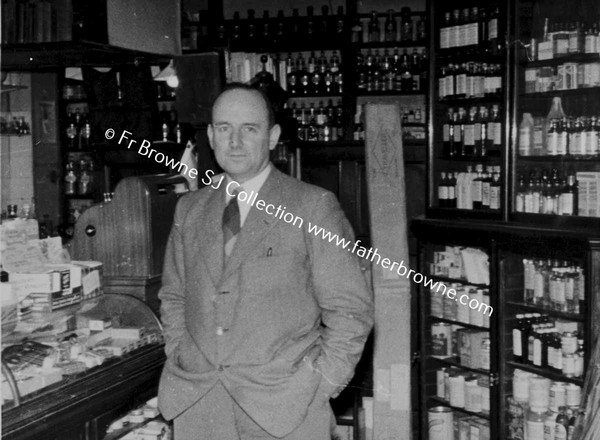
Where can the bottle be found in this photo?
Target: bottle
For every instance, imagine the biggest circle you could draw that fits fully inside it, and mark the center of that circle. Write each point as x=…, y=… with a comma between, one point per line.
x=568, y=197
x=339, y=23
x=251, y=26
x=562, y=425
x=517, y=335
x=451, y=190
x=458, y=132
x=309, y=30
x=390, y=26
x=448, y=134
x=443, y=191
x=374, y=28
x=406, y=30
x=486, y=191
x=70, y=179
x=492, y=39
x=526, y=135
x=556, y=112
x=469, y=135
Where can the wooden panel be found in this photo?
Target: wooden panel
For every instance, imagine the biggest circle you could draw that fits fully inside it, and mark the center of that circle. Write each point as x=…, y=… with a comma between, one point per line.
x=131, y=231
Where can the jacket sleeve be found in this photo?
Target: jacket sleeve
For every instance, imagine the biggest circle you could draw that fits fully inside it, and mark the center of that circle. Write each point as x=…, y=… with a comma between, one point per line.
x=341, y=291
x=172, y=291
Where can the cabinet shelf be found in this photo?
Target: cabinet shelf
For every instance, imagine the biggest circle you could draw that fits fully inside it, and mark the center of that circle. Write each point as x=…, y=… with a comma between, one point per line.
x=561, y=158
x=453, y=362
x=575, y=58
x=390, y=93
x=444, y=402
x=444, y=56
x=534, y=308
x=453, y=102
x=389, y=44
x=456, y=213
x=562, y=93
x=455, y=280
x=546, y=373
x=560, y=222
x=80, y=196
x=316, y=95
x=488, y=158
x=462, y=324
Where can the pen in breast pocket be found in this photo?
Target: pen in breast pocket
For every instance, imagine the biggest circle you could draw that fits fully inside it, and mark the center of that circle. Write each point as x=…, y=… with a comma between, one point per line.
x=269, y=252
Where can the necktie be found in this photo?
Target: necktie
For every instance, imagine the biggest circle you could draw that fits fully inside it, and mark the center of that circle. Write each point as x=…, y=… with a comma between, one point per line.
x=231, y=223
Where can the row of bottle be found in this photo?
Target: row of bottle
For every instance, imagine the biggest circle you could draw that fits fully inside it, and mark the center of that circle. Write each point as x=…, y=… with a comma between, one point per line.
x=14, y=125
x=282, y=30
x=441, y=307
x=318, y=124
x=314, y=76
x=575, y=136
x=79, y=177
x=541, y=341
x=470, y=31
x=567, y=76
x=477, y=190
x=391, y=27
x=469, y=80
x=79, y=130
x=547, y=193
x=561, y=39
x=471, y=135
x=553, y=284
x=464, y=390
x=392, y=72
x=541, y=394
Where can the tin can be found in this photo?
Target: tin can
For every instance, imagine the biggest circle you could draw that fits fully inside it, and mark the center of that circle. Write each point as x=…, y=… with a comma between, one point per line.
x=485, y=353
x=440, y=383
x=569, y=365
x=475, y=315
x=484, y=316
x=472, y=395
x=558, y=396
x=441, y=336
x=539, y=394
x=568, y=343
x=451, y=307
x=573, y=394
x=457, y=390
x=483, y=382
x=462, y=310
x=437, y=304
x=441, y=423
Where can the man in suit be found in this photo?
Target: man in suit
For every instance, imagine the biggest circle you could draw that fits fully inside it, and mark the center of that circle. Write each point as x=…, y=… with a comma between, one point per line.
x=264, y=322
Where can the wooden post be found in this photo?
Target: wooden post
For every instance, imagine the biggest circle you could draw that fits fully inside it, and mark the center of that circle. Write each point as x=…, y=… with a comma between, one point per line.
x=387, y=206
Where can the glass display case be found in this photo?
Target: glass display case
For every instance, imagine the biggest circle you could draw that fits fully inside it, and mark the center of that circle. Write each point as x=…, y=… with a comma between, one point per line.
x=468, y=151
x=556, y=155
x=543, y=290
x=76, y=368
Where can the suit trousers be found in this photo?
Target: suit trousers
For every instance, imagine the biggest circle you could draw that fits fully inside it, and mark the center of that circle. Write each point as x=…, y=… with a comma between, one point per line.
x=218, y=417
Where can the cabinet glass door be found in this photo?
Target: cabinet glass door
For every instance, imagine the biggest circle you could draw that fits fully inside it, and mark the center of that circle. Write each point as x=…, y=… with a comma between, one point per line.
x=557, y=118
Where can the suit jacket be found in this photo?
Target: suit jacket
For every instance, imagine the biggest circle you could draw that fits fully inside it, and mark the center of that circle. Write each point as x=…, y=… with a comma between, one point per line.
x=295, y=308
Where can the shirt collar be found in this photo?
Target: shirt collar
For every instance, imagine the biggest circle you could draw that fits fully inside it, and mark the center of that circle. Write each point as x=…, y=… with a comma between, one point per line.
x=253, y=184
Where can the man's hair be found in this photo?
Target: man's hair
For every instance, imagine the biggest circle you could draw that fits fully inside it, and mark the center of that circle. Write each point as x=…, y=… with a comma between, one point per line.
x=241, y=86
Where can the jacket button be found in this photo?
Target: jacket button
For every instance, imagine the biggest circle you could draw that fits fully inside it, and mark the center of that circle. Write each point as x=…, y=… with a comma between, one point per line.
x=220, y=368
x=221, y=330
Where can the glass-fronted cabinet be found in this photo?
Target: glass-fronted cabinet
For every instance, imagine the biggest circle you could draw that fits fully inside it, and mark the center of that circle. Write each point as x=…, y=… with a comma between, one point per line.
x=468, y=149
x=77, y=368
x=556, y=154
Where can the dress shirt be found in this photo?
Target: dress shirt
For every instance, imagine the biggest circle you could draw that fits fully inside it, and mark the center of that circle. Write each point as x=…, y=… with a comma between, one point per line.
x=254, y=184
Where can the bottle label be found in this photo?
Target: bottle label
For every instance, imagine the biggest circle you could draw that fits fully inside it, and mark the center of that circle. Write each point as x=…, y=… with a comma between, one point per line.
x=443, y=192
x=469, y=134
x=493, y=29
x=477, y=193
x=552, y=147
x=525, y=141
x=495, y=197
x=566, y=203
x=446, y=133
x=517, y=350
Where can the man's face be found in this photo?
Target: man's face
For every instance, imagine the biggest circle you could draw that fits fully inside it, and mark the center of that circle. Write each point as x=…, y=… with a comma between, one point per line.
x=240, y=135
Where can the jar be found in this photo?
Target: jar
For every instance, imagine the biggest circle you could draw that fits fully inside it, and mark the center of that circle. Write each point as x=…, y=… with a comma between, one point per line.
x=521, y=386
x=558, y=396
x=539, y=393
x=573, y=394
x=534, y=426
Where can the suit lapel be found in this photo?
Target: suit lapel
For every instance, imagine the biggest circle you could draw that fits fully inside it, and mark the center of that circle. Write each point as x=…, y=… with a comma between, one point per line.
x=209, y=234
x=257, y=224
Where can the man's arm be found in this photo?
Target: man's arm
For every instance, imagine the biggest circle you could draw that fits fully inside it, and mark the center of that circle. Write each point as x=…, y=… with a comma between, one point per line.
x=171, y=293
x=342, y=293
